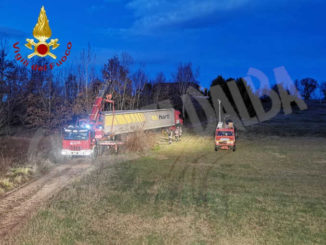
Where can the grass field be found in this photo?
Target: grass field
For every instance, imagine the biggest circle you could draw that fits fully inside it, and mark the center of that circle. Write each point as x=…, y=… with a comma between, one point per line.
x=270, y=191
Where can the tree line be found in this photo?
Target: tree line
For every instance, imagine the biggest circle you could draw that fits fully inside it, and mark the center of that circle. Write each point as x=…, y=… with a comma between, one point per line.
x=33, y=99
x=45, y=99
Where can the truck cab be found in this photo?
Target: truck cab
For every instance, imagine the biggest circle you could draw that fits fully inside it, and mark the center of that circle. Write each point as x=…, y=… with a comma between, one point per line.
x=78, y=142
x=225, y=137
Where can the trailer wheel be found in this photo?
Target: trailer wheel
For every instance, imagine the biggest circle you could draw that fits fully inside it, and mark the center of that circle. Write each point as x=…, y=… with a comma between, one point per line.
x=170, y=137
x=101, y=150
x=116, y=149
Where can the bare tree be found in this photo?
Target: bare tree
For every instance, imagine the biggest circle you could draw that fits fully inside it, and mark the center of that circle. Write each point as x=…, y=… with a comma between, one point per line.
x=308, y=87
x=126, y=61
x=323, y=89
x=139, y=80
x=9, y=85
x=86, y=60
x=116, y=73
x=157, y=84
x=185, y=77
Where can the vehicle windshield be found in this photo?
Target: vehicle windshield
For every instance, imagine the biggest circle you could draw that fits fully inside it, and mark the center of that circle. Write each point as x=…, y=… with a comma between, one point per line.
x=71, y=135
x=224, y=133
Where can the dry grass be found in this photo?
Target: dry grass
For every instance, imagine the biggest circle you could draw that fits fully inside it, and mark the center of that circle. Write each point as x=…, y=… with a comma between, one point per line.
x=15, y=177
x=299, y=123
x=141, y=141
x=21, y=158
x=13, y=152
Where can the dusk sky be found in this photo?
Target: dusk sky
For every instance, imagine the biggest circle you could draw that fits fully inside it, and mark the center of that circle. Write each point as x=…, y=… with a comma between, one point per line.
x=224, y=37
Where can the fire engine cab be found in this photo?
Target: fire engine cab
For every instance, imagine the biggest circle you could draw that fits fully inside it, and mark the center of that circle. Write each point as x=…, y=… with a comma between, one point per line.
x=225, y=137
x=78, y=142
x=225, y=134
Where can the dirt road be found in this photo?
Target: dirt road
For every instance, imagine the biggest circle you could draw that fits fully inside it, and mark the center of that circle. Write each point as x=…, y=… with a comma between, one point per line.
x=18, y=205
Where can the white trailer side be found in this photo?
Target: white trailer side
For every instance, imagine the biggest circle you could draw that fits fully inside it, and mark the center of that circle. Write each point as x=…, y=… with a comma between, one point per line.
x=122, y=122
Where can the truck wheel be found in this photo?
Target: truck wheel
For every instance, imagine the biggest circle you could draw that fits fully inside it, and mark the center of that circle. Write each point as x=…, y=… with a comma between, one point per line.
x=95, y=153
x=234, y=148
x=67, y=158
x=216, y=148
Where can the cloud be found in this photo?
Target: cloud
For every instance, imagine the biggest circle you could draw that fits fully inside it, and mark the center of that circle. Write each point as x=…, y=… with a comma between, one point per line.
x=151, y=17
x=154, y=14
x=6, y=32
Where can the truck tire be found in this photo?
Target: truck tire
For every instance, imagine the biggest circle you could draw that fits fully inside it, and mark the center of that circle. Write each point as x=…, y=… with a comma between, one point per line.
x=216, y=148
x=101, y=150
x=95, y=153
x=67, y=158
x=116, y=150
x=234, y=148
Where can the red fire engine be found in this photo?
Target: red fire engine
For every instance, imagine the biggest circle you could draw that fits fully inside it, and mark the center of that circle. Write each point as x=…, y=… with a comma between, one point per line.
x=225, y=135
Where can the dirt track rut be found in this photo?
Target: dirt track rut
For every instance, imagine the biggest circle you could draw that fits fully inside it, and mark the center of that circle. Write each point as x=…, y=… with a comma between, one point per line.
x=17, y=206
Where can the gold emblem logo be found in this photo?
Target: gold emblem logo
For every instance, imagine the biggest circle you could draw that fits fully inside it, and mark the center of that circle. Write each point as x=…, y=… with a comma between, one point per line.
x=42, y=32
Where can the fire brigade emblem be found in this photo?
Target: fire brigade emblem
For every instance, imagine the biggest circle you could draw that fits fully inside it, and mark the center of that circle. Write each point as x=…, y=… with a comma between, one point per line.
x=42, y=32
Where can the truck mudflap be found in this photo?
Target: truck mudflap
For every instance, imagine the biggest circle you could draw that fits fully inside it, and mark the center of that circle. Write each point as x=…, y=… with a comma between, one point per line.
x=110, y=144
x=66, y=152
